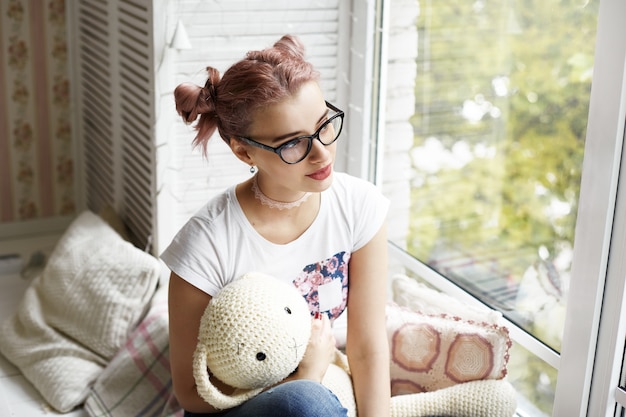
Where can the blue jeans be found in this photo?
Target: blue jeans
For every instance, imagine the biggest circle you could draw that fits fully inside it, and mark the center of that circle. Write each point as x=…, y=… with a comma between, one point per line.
x=300, y=398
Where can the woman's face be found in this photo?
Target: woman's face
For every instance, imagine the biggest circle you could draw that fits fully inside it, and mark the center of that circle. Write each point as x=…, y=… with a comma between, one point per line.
x=301, y=114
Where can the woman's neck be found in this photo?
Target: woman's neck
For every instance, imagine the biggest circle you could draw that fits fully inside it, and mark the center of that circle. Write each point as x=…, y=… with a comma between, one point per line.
x=275, y=204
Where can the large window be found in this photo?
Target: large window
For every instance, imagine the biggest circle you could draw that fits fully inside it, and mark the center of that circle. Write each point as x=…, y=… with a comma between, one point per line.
x=501, y=117
x=500, y=121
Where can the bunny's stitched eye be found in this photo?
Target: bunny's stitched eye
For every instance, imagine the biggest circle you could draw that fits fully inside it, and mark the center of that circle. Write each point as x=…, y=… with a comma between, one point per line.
x=260, y=356
x=288, y=310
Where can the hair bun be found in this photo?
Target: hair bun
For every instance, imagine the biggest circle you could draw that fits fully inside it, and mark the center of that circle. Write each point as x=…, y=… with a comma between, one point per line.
x=187, y=96
x=193, y=100
x=290, y=45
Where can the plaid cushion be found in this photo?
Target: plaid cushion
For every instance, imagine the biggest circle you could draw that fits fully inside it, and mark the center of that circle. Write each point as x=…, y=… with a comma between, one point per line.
x=137, y=382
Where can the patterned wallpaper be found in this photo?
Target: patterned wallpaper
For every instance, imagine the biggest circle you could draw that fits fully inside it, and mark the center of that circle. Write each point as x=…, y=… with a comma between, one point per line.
x=36, y=155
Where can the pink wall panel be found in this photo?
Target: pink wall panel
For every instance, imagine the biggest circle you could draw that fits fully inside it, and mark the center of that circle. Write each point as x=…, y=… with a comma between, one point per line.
x=41, y=107
x=36, y=152
x=6, y=185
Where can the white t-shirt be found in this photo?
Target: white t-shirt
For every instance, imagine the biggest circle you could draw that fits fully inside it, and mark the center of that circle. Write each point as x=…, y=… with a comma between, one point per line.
x=218, y=244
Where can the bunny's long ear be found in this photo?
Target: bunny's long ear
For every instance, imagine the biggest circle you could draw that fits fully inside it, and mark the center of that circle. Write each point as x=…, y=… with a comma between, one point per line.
x=209, y=392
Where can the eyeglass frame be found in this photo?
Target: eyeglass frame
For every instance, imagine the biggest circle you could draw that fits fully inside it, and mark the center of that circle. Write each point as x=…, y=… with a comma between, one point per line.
x=316, y=135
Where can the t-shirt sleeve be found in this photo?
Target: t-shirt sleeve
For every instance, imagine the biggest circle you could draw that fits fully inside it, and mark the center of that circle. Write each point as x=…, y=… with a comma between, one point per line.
x=193, y=256
x=370, y=211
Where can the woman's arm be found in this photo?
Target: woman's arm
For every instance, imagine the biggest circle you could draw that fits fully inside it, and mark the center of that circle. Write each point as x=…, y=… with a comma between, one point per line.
x=367, y=346
x=186, y=306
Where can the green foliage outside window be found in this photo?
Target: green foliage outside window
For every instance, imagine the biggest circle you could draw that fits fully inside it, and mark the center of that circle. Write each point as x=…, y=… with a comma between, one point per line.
x=502, y=96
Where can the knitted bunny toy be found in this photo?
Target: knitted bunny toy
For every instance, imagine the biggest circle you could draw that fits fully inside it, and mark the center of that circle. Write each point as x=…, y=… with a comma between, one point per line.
x=252, y=335
x=255, y=331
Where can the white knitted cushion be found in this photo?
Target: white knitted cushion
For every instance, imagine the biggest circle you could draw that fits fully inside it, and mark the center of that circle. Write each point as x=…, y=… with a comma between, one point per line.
x=408, y=292
x=80, y=311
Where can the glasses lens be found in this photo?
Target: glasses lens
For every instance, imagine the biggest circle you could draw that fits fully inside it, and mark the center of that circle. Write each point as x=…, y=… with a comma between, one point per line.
x=297, y=149
x=330, y=131
x=294, y=150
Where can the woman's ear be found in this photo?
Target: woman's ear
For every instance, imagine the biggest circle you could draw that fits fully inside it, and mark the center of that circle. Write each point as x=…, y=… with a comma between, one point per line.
x=241, y=151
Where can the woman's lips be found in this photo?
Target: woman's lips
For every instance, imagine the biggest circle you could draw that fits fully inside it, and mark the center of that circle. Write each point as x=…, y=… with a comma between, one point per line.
x=322, y=174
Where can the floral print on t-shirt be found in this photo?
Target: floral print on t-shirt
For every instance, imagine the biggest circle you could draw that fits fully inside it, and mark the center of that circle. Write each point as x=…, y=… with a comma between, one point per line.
x=322, y=273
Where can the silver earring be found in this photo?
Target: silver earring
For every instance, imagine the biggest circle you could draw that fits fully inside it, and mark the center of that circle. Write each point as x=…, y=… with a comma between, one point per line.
x=252, y=169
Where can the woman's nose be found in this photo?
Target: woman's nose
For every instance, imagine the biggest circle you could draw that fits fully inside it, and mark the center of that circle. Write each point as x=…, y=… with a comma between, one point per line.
x=319, y=151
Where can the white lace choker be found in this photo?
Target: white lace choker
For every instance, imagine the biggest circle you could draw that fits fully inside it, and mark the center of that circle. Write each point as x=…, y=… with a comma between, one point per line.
x=258, y=194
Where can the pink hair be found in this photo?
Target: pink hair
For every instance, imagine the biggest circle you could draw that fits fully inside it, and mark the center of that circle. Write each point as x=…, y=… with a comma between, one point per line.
x=262, y=78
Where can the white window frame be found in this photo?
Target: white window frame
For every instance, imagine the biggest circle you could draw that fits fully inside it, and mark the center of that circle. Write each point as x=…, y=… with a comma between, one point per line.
x=595, y=328
x=355, y=87
x=594, y=324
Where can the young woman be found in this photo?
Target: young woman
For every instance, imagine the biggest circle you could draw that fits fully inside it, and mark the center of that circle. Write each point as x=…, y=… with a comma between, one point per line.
x=296, y=219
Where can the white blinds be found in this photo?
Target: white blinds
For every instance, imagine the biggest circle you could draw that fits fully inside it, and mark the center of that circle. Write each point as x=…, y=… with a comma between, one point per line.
x=116, y=111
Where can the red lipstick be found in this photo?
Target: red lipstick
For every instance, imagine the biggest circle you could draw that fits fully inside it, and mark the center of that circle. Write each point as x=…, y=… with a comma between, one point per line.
x=321, y=174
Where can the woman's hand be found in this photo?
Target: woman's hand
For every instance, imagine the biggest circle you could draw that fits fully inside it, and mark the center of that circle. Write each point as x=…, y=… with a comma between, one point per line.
x=319, y=352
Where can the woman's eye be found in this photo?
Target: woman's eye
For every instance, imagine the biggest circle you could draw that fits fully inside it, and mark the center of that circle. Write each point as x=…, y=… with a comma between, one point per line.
x=291, y=144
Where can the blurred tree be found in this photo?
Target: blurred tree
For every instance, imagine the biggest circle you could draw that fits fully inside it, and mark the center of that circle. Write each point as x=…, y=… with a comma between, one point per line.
x=502, y=96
